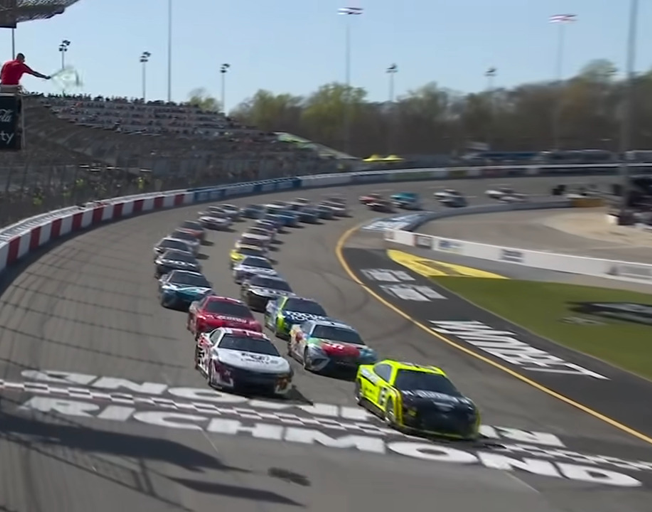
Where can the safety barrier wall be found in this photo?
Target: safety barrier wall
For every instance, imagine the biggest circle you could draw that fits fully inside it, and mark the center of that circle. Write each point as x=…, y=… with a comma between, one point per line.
x=612, y=269
x=22, y=238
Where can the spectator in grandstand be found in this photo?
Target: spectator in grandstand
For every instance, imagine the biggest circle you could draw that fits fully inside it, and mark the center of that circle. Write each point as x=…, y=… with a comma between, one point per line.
x=13, y=70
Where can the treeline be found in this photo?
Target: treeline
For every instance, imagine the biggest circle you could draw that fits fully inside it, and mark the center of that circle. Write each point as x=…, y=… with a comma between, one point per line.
x=434, y=119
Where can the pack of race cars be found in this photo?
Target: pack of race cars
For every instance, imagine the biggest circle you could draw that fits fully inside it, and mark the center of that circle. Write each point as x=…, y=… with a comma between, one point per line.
x=235, y=355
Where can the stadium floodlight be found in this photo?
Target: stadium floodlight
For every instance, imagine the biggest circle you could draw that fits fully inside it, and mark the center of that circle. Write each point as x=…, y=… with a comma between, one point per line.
x=63, y=49
x=13, y=12
x=224, y=68
x=144, y=59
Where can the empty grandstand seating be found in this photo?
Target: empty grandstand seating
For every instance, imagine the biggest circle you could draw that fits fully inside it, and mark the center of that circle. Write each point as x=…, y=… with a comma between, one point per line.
x=79, y=148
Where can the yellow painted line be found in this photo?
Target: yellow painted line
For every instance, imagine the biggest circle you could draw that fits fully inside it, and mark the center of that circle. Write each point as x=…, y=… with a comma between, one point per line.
x=432, y=268
x=610, y=421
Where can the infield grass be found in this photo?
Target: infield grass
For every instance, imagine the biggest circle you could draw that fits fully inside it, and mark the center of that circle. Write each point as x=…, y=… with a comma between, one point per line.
x=544, y=308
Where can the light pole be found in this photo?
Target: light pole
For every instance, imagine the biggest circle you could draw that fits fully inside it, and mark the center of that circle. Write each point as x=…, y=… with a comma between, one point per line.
x=224, y=69
x=626, y=119
x=348, y=11
x=144, y=59
x=63, y=49
x=561, y=20
x=169, y=51
x=490, y=74
x=391, y=71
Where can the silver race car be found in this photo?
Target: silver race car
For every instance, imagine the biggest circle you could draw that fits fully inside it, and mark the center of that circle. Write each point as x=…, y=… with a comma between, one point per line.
x=251, y=266
x=240, y=360
x=191, y=240
x=215, y=222
x=171, y=244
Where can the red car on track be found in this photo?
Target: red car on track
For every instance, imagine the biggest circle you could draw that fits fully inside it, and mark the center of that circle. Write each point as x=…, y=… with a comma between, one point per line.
x=213, y=312
x=370, y=198
x=195, y=228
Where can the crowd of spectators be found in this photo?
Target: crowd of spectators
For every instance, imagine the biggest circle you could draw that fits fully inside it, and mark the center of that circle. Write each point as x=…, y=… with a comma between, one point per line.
x=81, y=148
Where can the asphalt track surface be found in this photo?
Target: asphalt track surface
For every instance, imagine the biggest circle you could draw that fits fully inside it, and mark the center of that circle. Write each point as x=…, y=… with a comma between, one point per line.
x=533, y=230
x=88, y=306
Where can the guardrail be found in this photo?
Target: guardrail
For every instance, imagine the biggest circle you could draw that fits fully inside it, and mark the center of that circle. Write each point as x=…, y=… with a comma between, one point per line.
x=611, y=269
x=28, y=235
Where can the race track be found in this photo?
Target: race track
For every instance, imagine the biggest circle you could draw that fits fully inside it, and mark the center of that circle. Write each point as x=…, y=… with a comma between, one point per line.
x=132, y=426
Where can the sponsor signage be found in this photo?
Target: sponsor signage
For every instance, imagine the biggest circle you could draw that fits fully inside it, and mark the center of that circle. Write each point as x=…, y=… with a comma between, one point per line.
x=449, y=246
x=625, y=311
x=424, y=241
x=161, y=406
x=9, y=109
x=413, y=176
x=505, y=345
x=399, y=222
x=511, y=256
x=631, y=270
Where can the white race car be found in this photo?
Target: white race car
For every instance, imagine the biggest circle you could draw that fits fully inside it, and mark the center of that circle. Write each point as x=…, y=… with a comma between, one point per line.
x=447, y=193
x=215, y=222
x=513, y=198
x=339, y=209
x=237, y=359
x=499, y=192
x=261, y=232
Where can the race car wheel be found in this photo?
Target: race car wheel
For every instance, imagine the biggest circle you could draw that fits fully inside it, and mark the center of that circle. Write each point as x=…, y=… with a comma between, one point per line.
x=196, y=357
x=390, y=415
x=306, y=360
x=359, y=399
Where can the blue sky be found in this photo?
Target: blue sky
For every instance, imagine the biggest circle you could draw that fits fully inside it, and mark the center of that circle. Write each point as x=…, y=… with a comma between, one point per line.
x=296, y=45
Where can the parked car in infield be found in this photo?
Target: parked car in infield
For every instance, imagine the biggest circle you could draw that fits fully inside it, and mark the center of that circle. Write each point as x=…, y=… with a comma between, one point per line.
x=259, y=289
x=370, y=198
x=215, y=223
x=195, y=228
x=250, y=266
x=381, y=206
x=180, y=288
x=240, y=253
x=191, y=240
x=416, y=399
x=171, y=244
x=324, y=344
x=242, y=361
x=213, y=312
x=253, y=211
x=406, y=200
x=175, y=260
x=283, y=312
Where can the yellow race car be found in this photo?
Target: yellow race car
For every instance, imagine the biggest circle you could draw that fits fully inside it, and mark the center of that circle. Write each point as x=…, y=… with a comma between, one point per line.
x=240, y=252
x=416, y=399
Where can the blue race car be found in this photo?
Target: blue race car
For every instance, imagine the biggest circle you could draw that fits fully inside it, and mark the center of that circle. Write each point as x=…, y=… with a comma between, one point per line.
x=288, y=218
x=308, y=214
x=273, y=218
x=179, y=288
x=406, y=200
x=253, y=211
x=284, y=312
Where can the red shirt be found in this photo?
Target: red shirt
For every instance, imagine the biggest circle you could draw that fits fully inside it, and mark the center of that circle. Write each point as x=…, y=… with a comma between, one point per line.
x=13, y=71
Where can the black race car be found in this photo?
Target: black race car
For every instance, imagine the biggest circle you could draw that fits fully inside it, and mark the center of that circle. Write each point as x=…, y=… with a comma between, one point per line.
x=175, y=260
x=260, y=289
